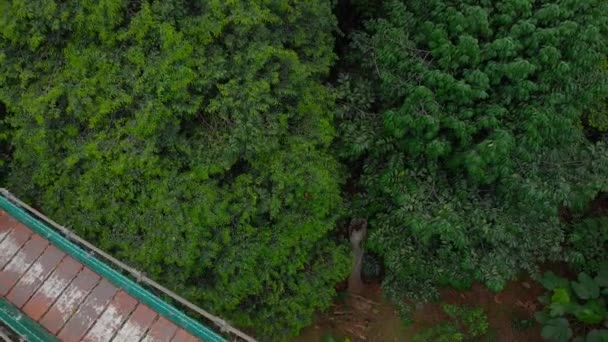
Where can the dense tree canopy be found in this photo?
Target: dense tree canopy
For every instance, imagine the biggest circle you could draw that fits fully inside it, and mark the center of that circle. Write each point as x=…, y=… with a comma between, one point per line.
x=468, y=119
x=188, y=138
x=197, y=141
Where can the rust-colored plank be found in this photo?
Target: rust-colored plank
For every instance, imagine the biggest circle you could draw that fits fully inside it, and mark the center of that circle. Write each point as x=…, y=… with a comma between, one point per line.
x=12, y=243
x=161, y=331
x=21, y=262
x=184, y=336
x=35, y=276
x=50, y=290
x=88, y=312
x=70, y=299
x=137, y=325
x=6, y=224
x=112, y=318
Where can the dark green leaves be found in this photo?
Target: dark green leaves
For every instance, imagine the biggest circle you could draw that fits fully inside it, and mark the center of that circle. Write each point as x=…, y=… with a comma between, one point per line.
x=601, y=279
x=551, y=281
x=593, y=312
x=472, y=142
x=556, y=330
x=586, y=288
x=600, y=335
x=588, y=308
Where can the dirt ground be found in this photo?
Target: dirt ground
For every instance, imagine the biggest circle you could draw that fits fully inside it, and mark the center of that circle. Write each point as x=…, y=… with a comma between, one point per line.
x=371, y=318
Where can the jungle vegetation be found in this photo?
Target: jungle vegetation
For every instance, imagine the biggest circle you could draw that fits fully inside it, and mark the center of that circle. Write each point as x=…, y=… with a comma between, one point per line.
x=222, y=146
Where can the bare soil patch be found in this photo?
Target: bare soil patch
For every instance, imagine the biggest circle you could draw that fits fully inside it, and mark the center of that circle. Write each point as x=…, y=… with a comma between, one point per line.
x=369, y=317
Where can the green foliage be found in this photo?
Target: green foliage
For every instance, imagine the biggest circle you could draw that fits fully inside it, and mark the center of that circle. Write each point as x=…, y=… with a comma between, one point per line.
x=372, y=267
x=330, y=338
x=522, y=323
x=5, y=142
x=467, y=118
x=191, y=139
x=556, y=329
x=597, y=336
x=585, y=288
x=465, y=324
x=552, y=281
x=587, y=244
x=597, y=118
x=187, y=138
x=572, y=303
x=560, y=295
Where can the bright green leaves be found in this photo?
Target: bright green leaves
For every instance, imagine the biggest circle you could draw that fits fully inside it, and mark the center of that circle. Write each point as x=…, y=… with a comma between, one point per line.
x=22, y=11
x=173, y=43
x=560, y=302
x=197, y=132
x=140, y=24
x=101, y=19
x=560, y=295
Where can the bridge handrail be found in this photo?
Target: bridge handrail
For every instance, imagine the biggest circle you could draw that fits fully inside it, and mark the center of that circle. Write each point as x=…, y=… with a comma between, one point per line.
x=138, y=275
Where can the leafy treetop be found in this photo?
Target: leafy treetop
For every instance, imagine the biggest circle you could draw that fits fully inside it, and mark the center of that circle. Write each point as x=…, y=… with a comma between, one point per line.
x=187, y=138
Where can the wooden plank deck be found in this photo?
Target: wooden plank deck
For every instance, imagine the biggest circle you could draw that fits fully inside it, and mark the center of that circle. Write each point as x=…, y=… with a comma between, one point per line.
x=67, y=298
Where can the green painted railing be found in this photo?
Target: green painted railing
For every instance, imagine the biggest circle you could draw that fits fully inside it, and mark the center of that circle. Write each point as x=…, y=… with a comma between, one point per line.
x=128, y=285
x=23, y=325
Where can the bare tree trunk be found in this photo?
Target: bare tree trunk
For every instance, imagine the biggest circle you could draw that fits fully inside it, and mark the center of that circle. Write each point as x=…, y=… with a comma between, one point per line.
x=358, y=231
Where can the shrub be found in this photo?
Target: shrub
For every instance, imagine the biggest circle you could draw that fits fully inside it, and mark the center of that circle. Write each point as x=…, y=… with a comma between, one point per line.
x=371, y=269
x=597, y=117
x=187, y=138
x=467, y=119
x=587, y=243
x=466, y=324
x=575, y=308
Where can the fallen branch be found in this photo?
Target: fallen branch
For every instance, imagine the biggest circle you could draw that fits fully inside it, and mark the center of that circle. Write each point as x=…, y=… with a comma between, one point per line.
x=364, y=299
x=338, y=313
x=352, y=332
